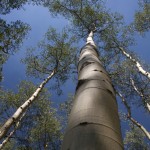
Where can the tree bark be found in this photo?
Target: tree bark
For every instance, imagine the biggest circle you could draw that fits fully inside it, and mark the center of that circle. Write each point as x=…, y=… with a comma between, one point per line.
x=11, y=133
x=137, y=64
x=129, y=116
x=142, y=96
x=94, y=122
x=16, y=116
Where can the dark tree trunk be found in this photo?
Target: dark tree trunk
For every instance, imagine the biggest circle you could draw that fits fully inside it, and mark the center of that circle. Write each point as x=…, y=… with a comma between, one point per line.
x=94, y=122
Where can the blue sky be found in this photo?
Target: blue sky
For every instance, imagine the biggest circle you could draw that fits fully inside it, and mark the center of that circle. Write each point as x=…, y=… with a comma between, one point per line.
x=40, y=19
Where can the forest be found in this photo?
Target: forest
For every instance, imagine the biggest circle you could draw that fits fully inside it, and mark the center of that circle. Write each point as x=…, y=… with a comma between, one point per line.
x=74, y=75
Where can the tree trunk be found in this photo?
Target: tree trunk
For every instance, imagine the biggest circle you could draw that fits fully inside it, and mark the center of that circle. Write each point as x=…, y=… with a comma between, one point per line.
x=94, y=122
x=140, y=94
x=129, y=116
x=16, y=116
x=11, y=133
x=137, y=64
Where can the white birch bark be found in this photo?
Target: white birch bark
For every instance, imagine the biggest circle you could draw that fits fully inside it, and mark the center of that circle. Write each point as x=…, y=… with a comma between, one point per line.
x=129, y=116
x=142, y=96
x=11, y=133
x=90, y=39
x=138, y=65
x=14, y=118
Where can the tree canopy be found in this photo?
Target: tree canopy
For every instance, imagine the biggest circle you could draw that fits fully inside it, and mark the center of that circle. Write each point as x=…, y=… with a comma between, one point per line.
x=116, y=41
x=40, y=123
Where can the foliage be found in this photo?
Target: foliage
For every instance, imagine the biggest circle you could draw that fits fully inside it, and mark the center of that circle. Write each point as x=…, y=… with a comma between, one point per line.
x=11, y=37
x=135, y=139
x=110, y=34
x=56, y=51
x=82, y=14
x=65, y=109
x=142, y=18
x=7, y=5
x=40, y=127
x=122, y=73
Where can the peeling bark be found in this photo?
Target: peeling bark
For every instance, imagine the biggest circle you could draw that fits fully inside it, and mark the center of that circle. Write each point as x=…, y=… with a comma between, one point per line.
x=16, y=116
x=94, y=122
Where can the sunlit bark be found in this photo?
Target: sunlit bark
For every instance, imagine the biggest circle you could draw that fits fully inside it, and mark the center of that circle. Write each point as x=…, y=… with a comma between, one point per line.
x=137, y=64
x=11, y=133
x=94, y=122
x=14, y=118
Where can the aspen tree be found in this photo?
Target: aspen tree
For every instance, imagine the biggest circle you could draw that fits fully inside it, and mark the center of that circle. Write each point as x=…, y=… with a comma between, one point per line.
x=94, y=121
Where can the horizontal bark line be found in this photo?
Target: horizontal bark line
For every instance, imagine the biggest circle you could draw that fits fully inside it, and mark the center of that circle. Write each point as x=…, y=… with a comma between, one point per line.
x=96, y=123
x=83, y=81
x=94, y=120
x=106, y=90
x=88, y=51
x=91, y=66
x=81, y=115
x=92, y=75
x=88, y=58
x=80, y=125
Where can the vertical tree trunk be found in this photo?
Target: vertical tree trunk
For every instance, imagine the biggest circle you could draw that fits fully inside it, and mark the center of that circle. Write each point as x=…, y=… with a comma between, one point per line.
x=94, y=123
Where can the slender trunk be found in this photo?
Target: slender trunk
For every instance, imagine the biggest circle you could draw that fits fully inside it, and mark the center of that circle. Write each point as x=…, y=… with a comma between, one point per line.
x=7, y=139
x=94, y=122
x=14, y=118
x=11, y=133
x=138, y=65
x=142, y=96
x=141, y=127
x=129, y=116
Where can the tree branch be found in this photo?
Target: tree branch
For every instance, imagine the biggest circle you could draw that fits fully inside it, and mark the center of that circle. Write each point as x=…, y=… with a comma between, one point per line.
x=11, y=133
x=140, y=93
x=7, y=125
x=129, y=116
x=137, y=64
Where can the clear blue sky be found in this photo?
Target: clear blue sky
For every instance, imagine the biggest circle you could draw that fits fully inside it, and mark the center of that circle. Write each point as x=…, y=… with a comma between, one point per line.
x=40, y=19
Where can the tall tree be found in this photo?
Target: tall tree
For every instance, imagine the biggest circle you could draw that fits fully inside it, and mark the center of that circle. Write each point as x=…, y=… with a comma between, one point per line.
x=39, y=127
x=55, y=60
x=94, y=121
x=110, y=30
x=112, y=36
